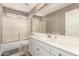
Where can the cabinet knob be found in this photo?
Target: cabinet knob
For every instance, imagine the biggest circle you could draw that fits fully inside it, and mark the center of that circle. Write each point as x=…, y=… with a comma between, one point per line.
x=60, y=54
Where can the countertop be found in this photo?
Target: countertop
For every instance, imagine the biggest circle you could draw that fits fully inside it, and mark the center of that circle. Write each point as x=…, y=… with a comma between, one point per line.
x=65, y=43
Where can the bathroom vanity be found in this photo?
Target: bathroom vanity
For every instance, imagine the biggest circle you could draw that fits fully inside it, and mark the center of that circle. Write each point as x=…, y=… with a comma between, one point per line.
x=56, y=45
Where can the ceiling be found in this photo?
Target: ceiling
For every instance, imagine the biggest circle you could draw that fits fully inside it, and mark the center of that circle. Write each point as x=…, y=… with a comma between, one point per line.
x=51, y=7
x=27, y=7
x=24, y=7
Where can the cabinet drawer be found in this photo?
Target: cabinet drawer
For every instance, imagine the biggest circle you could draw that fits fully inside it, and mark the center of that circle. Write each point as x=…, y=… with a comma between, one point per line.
x=42, y=45
x=59, y=52
x=43, y=52
x=40, y=51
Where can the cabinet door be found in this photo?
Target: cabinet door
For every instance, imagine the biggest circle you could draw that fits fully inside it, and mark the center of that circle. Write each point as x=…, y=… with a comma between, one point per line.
x=38, y=49
x=59, y=52
x=43, y=52
x=42, y=45
x=33, y=48
x=35, y=51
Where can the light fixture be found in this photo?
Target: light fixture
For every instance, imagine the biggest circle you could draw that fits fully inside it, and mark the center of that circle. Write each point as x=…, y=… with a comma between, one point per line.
x=40, y=5
x=36, y=9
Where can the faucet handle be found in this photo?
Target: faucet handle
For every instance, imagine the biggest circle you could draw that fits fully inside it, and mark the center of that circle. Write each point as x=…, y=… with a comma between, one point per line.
x=49, y=35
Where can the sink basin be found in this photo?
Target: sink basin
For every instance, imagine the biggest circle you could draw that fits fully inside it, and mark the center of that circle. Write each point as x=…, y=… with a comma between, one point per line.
x=67, y=43
x=62, y=42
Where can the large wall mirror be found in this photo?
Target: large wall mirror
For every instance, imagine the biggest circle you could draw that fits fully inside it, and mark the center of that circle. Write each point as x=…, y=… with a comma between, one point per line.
x=14, y=27
x=72, y=23
x=38, y=25
x=17, y=27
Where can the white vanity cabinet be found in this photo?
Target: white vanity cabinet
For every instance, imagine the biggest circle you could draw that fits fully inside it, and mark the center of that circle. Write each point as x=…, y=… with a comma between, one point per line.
x=36, y=49
x=32, y=47
x=40, y=48
x=43, y=52
x=58, y=52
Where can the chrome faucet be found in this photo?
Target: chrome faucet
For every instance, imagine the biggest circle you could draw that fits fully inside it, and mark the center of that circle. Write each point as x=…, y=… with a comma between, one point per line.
x=56, y=34
x=48, y=35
